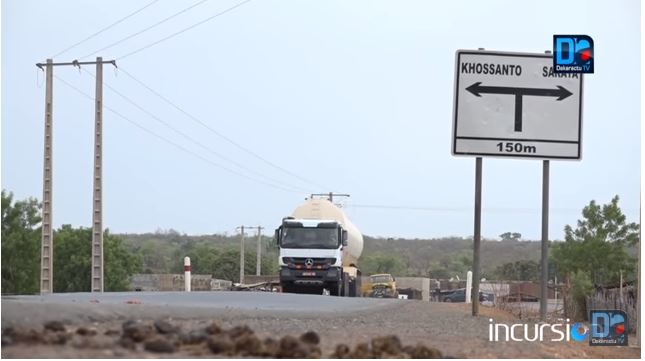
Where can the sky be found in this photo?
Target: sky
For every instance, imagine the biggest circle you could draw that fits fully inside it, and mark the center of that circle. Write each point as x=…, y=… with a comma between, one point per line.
x=347, y=96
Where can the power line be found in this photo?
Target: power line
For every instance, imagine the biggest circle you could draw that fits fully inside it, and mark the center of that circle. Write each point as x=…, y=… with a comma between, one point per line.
x=460, y=209
x=146, y=29
x=175, y=144
x=222, y=136
x=191, y=139
x=104, y=29
x=184, y=30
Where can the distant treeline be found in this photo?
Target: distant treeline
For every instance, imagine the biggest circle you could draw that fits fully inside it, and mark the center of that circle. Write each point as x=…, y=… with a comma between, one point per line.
x=163, y=252
x=599, y=252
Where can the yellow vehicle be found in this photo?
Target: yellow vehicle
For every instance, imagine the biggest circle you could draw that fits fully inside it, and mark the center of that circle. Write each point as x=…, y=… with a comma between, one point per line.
x=381, y=286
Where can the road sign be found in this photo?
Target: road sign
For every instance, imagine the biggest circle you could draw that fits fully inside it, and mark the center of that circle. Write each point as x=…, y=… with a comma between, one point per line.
x=514, y=105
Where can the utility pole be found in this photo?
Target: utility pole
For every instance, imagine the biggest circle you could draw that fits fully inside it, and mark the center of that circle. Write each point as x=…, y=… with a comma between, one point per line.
x=47, y=246
x=258, y=259
x=47, y=240
x=97, y=204
x=241, y=254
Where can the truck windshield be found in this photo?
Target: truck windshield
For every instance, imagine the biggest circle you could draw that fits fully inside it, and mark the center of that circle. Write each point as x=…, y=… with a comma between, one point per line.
x=309, y=237
x=381, y=279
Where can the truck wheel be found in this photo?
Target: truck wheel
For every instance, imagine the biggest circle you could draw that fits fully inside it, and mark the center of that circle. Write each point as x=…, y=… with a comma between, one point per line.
x=335, y=290
x=345, y=280
x=353, y=292
x=286, y=288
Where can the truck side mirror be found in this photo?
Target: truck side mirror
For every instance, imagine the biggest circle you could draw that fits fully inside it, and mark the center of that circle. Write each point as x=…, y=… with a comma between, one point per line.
x=276, y=236
x=344, y=238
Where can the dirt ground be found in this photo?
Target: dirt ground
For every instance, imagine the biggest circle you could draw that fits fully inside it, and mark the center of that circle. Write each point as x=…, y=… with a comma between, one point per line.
x=428, y=329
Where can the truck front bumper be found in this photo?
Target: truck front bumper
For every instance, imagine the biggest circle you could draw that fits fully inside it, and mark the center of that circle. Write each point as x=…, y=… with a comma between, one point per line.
x=310, y=276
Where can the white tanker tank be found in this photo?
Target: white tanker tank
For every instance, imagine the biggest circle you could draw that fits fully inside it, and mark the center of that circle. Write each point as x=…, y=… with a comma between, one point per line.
x=319, y=250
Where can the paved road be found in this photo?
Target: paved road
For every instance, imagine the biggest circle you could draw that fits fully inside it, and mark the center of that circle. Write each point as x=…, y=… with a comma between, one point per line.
x=79, y=307
x=448, y=327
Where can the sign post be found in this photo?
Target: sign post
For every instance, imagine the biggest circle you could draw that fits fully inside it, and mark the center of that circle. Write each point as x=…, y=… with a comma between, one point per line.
x=515, y=105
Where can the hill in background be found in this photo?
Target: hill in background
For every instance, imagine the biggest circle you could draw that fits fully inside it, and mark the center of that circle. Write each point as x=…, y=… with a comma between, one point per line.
x=163, y=252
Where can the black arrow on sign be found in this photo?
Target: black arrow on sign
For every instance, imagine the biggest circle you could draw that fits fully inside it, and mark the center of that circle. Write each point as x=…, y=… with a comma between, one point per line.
x=477, y=89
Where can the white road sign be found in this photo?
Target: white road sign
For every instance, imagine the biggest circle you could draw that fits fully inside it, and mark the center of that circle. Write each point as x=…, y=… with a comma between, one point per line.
x=514, y=105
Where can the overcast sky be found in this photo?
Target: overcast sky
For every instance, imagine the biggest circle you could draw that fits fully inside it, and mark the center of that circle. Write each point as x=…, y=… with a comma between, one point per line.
x=346, y=96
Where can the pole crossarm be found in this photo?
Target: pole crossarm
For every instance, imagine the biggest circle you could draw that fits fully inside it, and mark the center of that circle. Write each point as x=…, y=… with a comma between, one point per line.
x=76, y=63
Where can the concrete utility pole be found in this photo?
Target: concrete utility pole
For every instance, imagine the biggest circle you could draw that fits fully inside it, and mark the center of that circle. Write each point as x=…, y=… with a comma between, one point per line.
x=97, y=204
x=241, y=255
x=47, y=240
x=47, y=246
x=258, y=259
x=258, y=263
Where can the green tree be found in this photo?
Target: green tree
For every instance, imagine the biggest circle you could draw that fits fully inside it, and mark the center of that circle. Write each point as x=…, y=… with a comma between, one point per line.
x=383, y=263
x=524, y=270
x=227, y=264
x=72, y=261
x=20, y=245
x=580, y=289
x=120, y=264
x=203, y=258
x=598, y=244
x=595, y=253
x=510, y=236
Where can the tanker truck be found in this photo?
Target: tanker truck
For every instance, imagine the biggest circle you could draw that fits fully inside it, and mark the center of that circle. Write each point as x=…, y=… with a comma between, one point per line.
x=319, y=250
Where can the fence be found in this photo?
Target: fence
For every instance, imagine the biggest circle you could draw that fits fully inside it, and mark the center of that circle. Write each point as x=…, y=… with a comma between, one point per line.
x=175, y=282
x=611, y=299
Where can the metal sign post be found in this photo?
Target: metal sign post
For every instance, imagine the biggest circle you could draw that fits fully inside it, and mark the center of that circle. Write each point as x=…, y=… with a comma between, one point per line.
x=544, y=291
x=515, y=105
x=477, y=234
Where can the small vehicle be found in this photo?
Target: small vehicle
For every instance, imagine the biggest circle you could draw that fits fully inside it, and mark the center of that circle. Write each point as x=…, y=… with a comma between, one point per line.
x=459, y=295
x=520, y=297
x=382, y=286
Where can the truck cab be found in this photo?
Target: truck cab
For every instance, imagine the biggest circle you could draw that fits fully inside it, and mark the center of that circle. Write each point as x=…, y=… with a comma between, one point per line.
x=311, y=256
